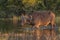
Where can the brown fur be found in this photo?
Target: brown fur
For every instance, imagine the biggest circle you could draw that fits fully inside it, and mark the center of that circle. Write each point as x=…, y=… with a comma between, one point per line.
x=42, y=18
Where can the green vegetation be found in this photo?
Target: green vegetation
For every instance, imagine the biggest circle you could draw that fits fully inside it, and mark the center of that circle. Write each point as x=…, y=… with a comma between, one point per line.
x=58, y=21
x=10, y=8
x=6, y=25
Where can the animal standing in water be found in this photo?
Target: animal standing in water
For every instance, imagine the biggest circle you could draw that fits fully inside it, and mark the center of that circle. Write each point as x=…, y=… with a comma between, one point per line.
x=38, y=19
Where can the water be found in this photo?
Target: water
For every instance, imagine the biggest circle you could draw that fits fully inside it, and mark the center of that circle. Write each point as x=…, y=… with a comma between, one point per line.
x=25, y=33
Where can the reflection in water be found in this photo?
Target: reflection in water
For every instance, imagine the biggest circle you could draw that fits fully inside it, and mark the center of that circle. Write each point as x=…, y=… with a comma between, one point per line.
x=31, y=34
x=34, y=35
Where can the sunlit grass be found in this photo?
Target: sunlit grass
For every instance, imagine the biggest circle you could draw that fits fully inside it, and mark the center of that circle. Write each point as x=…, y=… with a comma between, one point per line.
x=58, y=21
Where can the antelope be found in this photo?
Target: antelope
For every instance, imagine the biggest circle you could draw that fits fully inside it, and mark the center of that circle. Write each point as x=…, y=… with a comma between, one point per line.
x=38, y=19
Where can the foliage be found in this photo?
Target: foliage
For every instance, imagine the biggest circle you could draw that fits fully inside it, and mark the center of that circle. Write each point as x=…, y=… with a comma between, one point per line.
x=16, y=7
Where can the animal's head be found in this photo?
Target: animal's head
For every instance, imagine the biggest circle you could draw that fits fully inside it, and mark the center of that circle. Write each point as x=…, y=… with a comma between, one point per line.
x=25, y=19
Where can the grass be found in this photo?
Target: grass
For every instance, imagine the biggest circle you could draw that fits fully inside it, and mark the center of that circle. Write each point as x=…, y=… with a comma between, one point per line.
x=58, y=21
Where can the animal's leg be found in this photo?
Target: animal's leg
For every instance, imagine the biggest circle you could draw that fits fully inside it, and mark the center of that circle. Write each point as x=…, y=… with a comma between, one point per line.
x=52, y=20
x=52, y=24
x=47, y=23
x=38, y=32
x=37, y=25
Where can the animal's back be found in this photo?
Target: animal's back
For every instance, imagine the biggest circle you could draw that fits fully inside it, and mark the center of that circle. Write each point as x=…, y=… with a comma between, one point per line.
x=42, y=17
